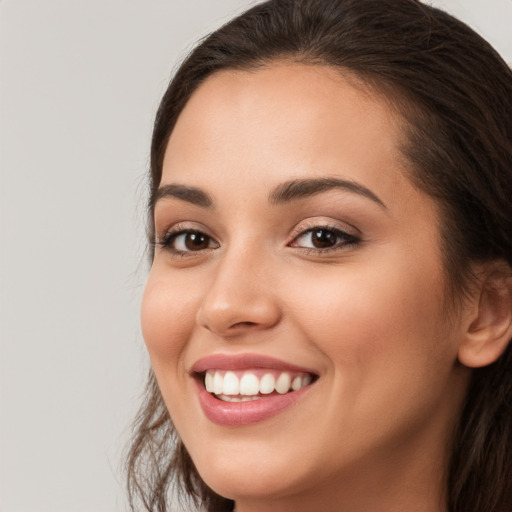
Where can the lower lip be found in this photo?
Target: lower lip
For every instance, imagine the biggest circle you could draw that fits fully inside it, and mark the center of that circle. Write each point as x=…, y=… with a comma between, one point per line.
x=245, y=413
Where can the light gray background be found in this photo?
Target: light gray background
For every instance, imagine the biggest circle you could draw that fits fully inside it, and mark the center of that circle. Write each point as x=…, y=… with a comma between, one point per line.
x=80, y=81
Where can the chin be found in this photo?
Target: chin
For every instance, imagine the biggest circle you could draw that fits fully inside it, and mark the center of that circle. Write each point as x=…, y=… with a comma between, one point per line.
x=250, y=486
x=249, y=477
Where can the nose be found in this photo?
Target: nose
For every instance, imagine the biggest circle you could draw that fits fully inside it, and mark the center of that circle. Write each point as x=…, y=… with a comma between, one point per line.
x=241, y=298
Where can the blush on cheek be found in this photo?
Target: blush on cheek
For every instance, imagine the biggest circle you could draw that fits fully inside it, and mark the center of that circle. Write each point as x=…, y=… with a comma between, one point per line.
x=164, y=324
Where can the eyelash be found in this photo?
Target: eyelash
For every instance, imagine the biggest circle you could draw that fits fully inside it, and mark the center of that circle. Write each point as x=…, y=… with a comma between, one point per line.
x=347, y=240
x=170, y=237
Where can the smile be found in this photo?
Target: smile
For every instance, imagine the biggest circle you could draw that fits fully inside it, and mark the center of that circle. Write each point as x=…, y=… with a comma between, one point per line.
x=254, y=384
x=244, y=389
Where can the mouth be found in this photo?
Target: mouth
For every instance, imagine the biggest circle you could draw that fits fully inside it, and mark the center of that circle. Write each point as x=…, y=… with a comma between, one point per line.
x=253, y=384
x=244, y=389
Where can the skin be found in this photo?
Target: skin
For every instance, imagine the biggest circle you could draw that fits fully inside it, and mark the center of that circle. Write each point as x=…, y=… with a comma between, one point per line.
x=372, y=432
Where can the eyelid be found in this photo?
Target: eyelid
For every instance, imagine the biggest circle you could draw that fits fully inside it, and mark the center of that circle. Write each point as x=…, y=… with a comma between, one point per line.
x=166, y=239
x=323, y=223
x=179, y=227
x=350, y=238
x=349, y=234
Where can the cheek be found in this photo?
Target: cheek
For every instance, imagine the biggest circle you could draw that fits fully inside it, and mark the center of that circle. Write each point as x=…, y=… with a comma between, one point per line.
x=381, y=331
x=167, y=318
x=377, y=316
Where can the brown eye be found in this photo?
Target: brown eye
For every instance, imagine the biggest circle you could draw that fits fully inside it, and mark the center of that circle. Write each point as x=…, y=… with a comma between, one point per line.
x=195, y=241
x=188, y=241
x=321, y=238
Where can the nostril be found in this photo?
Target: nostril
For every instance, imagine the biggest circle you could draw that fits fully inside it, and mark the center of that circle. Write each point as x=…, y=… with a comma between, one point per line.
x=244, y=324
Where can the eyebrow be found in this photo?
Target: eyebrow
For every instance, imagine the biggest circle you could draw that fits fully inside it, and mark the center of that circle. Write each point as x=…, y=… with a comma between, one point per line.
x=192, y=195
x=285, y=192
x=302, y=188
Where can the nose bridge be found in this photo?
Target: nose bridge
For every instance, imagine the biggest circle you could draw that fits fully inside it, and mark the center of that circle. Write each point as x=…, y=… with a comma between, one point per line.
x=241, y=295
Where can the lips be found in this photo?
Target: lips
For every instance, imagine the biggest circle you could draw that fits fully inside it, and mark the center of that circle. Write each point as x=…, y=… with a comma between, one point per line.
x=242, y=389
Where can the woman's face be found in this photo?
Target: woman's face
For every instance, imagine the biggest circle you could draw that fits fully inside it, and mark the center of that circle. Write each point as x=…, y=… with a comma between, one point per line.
x=294, y=254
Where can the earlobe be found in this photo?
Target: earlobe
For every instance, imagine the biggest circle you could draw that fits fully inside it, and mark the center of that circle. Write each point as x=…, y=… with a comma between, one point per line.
x=489, y=331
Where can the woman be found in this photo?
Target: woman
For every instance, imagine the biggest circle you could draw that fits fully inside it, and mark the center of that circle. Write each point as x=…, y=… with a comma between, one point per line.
x=328, y=311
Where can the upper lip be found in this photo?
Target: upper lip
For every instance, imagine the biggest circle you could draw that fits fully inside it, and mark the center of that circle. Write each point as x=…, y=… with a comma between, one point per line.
x=244, y=362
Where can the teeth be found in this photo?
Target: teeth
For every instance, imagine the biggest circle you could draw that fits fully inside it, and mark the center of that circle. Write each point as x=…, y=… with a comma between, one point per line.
x=297, y=383
x=283, y=383
x=242, y=386
x=249, y=384
x=238, y=398
x=267, y=384
x=208, y=382
x=218, y=383
x=232, y=385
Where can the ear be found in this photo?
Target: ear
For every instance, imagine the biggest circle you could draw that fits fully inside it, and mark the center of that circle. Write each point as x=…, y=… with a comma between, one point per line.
x=488, y=329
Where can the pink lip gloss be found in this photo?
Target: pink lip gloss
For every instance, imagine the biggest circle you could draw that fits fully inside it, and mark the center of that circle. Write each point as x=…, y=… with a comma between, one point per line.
x=245, y=413
x=261, y=406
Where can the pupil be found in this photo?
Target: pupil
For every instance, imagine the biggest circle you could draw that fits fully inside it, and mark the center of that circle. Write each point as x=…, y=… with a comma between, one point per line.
x=323, y=238
x=195, y=241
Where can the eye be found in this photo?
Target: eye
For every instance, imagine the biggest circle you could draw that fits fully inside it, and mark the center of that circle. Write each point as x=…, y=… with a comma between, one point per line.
x=186, y=241
x=323, y=238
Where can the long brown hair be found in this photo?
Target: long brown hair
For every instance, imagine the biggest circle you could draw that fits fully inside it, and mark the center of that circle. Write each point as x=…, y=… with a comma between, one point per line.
x=454, y=93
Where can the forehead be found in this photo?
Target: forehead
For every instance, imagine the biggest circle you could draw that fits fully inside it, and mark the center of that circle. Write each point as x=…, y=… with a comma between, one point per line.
x=284, y=121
